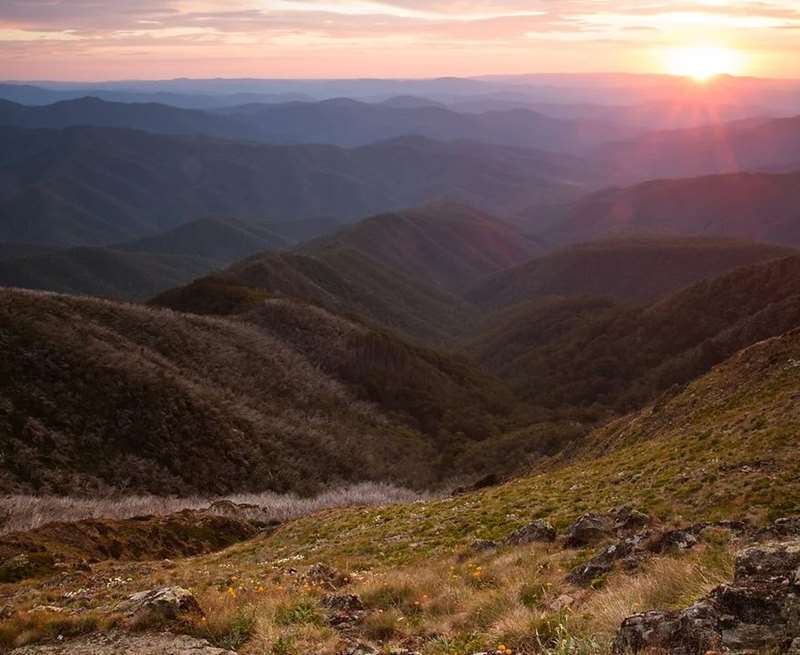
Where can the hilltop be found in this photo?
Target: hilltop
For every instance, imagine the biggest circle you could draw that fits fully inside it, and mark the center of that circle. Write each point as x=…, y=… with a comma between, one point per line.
x=445, y=246
x=401, y=270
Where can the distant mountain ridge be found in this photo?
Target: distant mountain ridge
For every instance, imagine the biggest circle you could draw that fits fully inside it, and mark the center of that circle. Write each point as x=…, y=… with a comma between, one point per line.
x=337, y=121
x=746, y=145
x=759, y=206
x=626, y=270
x=445, y=245
x=99, y=186
x=403, y=271
x=135, y=270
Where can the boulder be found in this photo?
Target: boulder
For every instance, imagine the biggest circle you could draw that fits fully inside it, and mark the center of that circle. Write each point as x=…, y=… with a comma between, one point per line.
x=787, y=527
x=326, y=577
x=165, y=604
x=589, y=529
x=602, y=563
x=672, y=540
x=627, y=519
x=758, y=611
x=342, y=602
x=772, y=563
x=538, y=530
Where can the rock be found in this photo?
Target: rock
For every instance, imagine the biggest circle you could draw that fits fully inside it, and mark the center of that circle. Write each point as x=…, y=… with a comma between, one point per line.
x=344, y=610
x=783, y=528
x=759, y=611
x=483, y=545
x=774, y=562
x=342, y=602
x=794, y=647
x=361, y=649
x=602, y=563
x=672, y=540
x=115, y=643
x=627, y=519
x=165, y=604
x=692, y=631
x=5, y=612
x=538, y=530
x=326, y=577
x=589, y=529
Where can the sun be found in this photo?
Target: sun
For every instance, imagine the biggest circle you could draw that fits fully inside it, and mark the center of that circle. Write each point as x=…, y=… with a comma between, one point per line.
x=702, y=63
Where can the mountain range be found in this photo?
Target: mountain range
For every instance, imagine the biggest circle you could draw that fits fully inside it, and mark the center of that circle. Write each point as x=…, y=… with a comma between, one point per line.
x=99, y=186
x=338, y=121
x=755, y=206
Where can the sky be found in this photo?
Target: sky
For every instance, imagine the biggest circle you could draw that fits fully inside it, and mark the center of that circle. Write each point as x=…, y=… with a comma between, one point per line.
x=160, y=39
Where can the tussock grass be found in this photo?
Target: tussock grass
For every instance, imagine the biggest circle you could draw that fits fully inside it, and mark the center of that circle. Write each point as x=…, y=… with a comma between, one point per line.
x=668, y=583
x=38, y=625
x=23, y=512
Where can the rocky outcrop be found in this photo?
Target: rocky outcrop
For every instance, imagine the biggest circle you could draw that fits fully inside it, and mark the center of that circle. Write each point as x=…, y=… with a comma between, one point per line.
x=629, y=549
x=593, y=527
x=344, y=611
x=160, y=605
x=126, y=644
x=326, y=577
x=538, y=530
x=758, y=611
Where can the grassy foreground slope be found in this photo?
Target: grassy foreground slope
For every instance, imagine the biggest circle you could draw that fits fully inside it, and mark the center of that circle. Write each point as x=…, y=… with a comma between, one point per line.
x=100, y=395
x=725, y=447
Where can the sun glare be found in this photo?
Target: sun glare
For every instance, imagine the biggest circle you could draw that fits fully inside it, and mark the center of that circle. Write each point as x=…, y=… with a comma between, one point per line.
x=702, y=63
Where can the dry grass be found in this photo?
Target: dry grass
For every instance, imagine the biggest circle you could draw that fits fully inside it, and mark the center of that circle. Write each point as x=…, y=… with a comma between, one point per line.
x=667, y=583
x=456, y=604
x=30, y=512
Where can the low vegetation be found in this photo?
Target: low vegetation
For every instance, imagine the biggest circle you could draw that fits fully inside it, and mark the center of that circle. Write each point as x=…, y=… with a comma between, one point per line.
x=22, y=513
